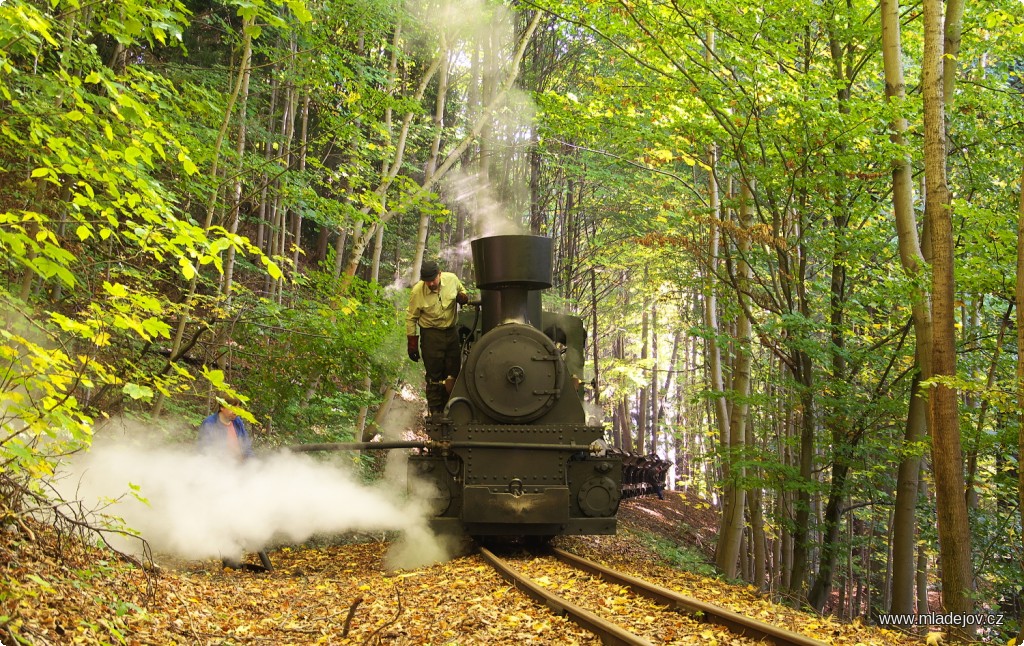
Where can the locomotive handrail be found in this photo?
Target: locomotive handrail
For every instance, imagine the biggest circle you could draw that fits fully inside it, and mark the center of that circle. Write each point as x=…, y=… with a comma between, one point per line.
x=461, y=400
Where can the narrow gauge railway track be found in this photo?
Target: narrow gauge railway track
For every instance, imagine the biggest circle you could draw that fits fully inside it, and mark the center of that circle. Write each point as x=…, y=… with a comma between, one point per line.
x=662, y=600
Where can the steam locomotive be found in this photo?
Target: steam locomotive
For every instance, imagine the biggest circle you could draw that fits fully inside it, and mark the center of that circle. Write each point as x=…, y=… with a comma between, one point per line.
x=512, y=454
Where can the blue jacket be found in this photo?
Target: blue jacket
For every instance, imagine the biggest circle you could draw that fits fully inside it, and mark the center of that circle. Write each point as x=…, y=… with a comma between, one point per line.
x=212, y=436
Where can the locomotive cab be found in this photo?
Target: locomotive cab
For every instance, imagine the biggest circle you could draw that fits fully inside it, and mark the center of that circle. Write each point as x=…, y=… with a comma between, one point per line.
x=518, y=457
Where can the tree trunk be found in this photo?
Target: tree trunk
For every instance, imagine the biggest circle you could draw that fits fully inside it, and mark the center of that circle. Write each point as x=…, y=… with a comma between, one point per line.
x=971, y=495
x=943, y=411
x=714, y=354
x=951, y=48
x=185, y=314
x=361, y=242
x=642, y=406
x=268, y=154
x=236, y=189
x=297, y=213
x=1019, y=292
x=655, y=391
x=913, y=262
x=731, y=531
x=430, y=166
x=755, y=512
x=822, y=588
x=594, y=336
x=802, y=520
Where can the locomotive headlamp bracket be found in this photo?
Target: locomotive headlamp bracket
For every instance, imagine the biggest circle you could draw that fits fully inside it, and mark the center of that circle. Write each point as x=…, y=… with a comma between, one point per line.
x=515, y=487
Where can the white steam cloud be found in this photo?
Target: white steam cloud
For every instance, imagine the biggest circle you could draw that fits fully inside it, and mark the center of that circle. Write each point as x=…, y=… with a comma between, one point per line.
x=201, y=506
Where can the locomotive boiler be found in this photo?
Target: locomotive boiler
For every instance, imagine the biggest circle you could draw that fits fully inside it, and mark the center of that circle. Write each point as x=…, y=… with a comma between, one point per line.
x=512, y=454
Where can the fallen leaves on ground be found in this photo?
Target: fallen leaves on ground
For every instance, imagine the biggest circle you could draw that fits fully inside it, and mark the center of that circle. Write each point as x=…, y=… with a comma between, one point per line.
x=621, y=606
x=56, y=590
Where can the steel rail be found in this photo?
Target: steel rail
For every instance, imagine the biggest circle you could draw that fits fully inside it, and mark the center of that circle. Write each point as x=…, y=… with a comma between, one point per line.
x=735, y=622
x=608, y=632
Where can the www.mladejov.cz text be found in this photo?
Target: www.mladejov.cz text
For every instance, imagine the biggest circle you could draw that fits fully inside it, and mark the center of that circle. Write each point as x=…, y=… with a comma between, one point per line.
x=942, y=619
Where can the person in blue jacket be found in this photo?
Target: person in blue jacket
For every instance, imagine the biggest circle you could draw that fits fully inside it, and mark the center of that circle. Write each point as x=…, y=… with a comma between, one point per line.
x=224, y=433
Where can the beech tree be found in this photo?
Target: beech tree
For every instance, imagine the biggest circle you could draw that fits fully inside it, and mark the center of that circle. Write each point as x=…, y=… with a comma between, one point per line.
x=943, y=411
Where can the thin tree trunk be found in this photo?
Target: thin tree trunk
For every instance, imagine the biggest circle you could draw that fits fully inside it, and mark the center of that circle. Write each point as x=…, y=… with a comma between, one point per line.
x=731, y=532
x=923, y=604
x=1019, y=292
x=755, y=512
x=655, y=392
x=642, y=406
x=951, y=48
x=185, y=313
x=236, y=191
x=971, y=495
x=714, y=353
x=594, y=336
x=290, y=119
x=913, y=262
x=297, y=213
x=430, y=166
x=360, y=243
x=268, y=154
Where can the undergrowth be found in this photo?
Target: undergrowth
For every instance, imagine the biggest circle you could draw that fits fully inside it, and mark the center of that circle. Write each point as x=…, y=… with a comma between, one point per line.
x=681, y=557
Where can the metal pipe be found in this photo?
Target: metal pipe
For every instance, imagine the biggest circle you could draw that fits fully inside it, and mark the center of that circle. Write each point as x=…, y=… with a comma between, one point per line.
x=369, y=446
x=571, y=448
x=357, y=446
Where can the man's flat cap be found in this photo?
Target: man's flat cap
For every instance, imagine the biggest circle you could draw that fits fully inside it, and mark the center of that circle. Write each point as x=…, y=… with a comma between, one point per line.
x=429, y=270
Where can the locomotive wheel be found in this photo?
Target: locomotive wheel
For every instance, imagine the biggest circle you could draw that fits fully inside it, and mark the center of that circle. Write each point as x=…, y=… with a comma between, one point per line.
x=515, y=374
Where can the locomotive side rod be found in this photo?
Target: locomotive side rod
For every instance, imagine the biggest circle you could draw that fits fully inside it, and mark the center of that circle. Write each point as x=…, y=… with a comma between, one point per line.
x=609, y=633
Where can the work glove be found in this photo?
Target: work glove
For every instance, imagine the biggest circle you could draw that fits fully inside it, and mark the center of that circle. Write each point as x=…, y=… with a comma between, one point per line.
x=414, y=348
x=462, y=298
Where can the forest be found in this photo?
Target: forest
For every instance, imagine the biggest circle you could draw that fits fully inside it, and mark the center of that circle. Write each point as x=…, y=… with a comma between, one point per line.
x=793, y=230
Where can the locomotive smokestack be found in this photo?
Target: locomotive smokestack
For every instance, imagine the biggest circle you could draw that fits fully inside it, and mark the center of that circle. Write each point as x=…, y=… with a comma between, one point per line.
x=510, y=272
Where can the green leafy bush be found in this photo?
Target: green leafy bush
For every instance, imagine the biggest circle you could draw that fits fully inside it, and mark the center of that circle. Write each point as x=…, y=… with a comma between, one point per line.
x=305, y=366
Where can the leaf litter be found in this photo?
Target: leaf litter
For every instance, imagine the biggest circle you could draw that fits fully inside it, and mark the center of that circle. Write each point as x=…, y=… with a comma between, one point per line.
x=58, y=590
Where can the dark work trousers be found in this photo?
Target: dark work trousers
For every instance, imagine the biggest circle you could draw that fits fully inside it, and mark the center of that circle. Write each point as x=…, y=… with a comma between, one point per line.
x=441, y=353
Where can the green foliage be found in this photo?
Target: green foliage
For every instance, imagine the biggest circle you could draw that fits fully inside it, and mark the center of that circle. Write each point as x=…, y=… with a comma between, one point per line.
x=680, y=556
x=304, y=364
x=791, y=99
x=93, y=237
x=41, y=416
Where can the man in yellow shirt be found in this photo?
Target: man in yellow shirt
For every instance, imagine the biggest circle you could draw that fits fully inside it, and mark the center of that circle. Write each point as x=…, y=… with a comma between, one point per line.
x=430, y=328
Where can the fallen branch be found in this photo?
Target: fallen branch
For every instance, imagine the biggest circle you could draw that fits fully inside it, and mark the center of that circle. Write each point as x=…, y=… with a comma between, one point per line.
x=348, y=619
x=398, y=613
